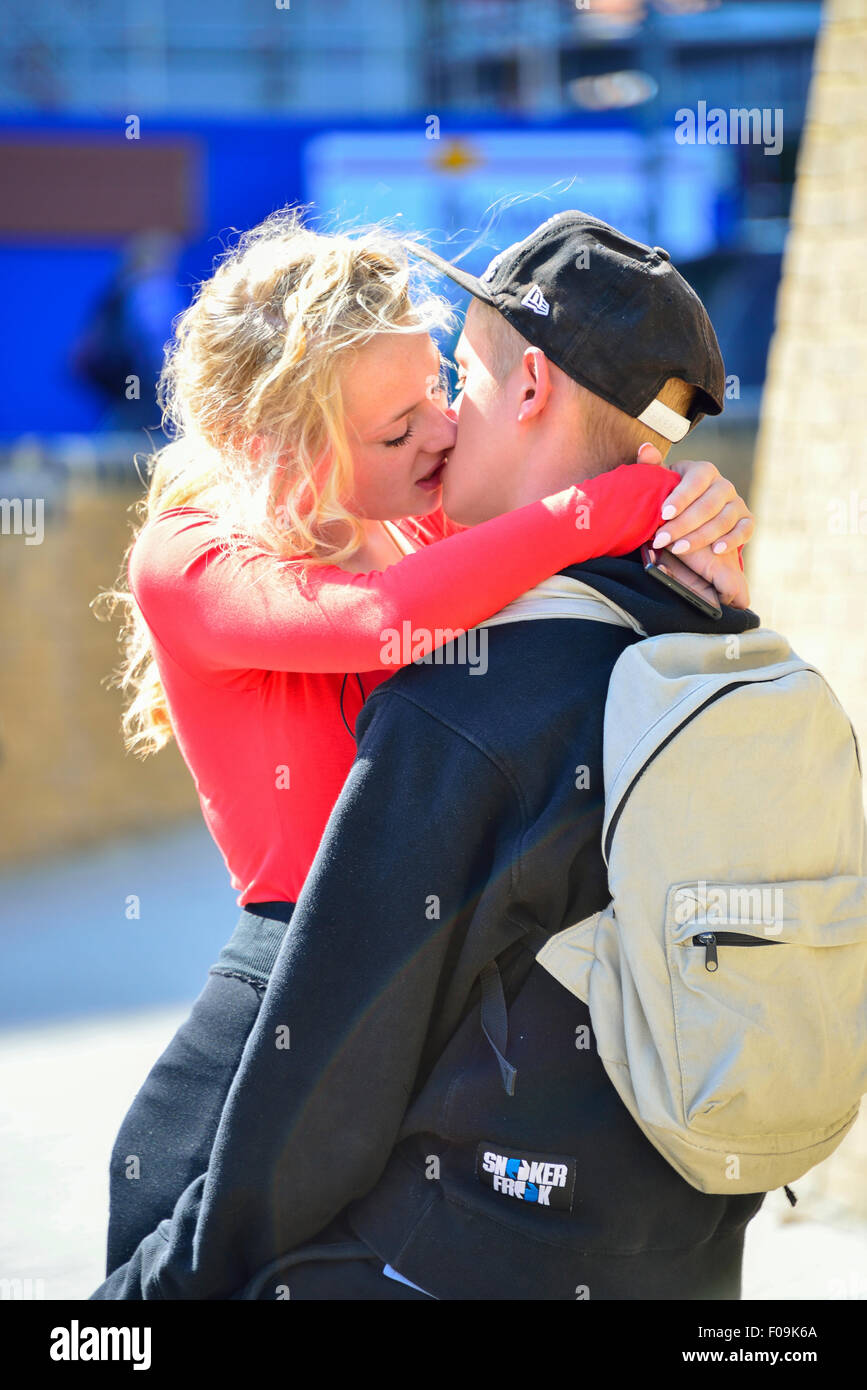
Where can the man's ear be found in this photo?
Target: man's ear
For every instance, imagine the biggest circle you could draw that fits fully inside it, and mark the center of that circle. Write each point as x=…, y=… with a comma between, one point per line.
x=535, y=387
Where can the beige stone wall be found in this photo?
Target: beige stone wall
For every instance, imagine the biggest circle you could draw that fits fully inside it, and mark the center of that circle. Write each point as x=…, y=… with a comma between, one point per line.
x=65, y=779
x=808, y=564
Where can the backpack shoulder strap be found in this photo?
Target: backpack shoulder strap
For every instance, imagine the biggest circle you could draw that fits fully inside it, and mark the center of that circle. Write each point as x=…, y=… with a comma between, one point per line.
x=561, y=596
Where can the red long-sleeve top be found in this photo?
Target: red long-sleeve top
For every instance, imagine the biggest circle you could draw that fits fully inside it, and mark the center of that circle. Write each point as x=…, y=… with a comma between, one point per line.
x=252, y=654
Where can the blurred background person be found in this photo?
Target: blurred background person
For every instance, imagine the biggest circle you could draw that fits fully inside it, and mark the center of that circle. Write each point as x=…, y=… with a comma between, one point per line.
x=120, y=352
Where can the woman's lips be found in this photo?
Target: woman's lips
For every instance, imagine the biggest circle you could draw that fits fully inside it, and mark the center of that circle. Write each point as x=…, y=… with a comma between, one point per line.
x=433, y=480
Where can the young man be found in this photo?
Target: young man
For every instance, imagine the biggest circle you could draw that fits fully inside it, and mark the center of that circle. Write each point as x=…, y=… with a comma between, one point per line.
x=417, y=1098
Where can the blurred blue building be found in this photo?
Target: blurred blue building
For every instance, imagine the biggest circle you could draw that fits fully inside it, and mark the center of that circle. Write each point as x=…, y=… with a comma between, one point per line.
x=471, y=119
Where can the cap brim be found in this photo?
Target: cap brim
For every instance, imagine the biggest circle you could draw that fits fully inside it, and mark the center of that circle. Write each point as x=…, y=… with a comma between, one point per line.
x=468, y=282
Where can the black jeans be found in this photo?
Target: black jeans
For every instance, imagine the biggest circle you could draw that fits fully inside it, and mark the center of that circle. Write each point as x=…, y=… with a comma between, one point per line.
x=166, y=1138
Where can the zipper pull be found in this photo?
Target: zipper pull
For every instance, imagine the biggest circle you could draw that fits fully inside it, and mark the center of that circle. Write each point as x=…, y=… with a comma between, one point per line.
x=708, y=941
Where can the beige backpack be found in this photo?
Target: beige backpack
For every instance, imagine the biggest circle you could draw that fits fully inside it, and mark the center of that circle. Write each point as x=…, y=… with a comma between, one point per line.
x=727, y=978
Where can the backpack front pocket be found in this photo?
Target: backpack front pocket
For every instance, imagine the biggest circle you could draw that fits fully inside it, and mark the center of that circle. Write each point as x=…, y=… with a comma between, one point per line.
x=769, y=996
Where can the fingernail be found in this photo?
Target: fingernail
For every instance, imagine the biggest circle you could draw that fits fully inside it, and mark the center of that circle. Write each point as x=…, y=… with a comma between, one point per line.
x=646, y=445
x=679, y=547
x=661, y=539
x=668, y=512
x=719, y=547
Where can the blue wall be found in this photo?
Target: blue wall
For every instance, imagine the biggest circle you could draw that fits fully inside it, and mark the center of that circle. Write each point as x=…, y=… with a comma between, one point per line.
x=48, y=289
x=247, y=169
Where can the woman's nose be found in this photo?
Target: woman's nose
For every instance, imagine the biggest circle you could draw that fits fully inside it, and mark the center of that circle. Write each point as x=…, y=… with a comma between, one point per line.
x=447, y=429
x=452, y=425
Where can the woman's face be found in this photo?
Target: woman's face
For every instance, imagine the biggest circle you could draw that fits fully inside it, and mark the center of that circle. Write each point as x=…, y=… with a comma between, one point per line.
x=398, y=426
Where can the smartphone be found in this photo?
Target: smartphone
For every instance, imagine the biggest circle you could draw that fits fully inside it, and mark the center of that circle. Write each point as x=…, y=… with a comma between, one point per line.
x=675, y=575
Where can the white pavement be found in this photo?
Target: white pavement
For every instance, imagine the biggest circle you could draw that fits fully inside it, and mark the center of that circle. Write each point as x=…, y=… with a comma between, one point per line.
x=88, y=1000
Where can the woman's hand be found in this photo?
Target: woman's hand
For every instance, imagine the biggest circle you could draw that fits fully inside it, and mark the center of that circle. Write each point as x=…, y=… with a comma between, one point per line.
x=709, y=522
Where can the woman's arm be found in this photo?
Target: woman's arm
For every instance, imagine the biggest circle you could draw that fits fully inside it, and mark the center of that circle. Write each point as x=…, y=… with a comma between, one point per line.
x=215, y=612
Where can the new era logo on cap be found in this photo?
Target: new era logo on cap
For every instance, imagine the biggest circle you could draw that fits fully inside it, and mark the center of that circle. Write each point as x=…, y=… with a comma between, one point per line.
x=535, y=300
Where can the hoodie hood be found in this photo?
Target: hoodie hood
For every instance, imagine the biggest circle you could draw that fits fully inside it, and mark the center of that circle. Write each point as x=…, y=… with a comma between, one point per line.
x=624, y=580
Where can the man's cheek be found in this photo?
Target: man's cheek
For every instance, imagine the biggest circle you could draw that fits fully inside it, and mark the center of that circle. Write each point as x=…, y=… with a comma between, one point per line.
x=453, y=494
x=461, y=462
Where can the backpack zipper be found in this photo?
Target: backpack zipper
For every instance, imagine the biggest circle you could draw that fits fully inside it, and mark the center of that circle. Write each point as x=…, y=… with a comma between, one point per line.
x=711, y=939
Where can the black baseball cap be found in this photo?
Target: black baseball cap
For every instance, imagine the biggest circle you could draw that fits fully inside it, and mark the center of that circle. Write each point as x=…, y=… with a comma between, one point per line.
x=612, y=313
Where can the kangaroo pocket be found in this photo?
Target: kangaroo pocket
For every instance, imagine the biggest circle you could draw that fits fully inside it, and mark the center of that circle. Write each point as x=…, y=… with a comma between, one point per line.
x=769, y=991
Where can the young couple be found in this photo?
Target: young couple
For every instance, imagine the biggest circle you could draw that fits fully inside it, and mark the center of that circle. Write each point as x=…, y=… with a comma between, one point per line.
x=339, y=1118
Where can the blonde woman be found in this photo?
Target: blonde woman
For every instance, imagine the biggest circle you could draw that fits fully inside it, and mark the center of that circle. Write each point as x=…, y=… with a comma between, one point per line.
x=294, y=521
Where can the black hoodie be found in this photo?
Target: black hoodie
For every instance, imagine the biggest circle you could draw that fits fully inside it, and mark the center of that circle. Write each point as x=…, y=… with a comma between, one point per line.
x=467, y=825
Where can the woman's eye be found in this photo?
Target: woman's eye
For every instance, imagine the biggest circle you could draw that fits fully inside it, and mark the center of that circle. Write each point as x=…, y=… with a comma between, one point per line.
x=396, y=443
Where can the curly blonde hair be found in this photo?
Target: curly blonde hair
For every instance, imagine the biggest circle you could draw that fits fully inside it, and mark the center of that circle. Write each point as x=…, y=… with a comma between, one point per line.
x=251, y=397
